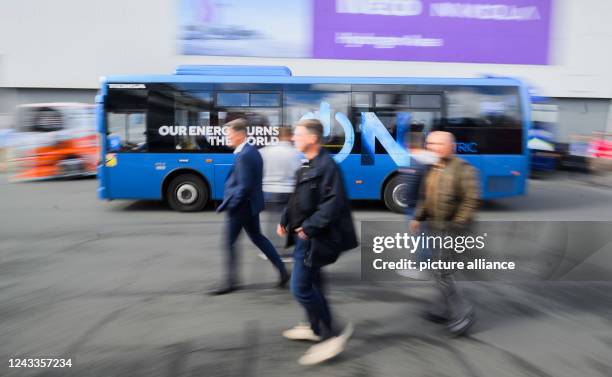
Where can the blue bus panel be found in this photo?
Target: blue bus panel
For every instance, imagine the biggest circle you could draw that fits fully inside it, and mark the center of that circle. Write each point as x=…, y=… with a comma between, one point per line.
x=157, y=128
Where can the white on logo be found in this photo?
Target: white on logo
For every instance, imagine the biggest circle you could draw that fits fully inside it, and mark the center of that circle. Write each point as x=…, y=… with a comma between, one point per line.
x=500, y=12
x=126, y=86
x=380, y=7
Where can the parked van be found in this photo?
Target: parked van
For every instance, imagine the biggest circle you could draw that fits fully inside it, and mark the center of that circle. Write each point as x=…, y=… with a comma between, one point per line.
x=54, y=140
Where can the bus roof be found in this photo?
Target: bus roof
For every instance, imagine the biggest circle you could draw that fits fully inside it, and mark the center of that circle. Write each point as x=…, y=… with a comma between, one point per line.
x=56, y=104
x=282, y=75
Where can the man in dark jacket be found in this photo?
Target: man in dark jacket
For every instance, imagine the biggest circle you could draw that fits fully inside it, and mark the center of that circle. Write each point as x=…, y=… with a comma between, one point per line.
x=243, y=200
x=318, y=214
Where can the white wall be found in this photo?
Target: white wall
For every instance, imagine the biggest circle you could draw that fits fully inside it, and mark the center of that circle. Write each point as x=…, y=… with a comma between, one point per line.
x=580, y=117
x=71, y=43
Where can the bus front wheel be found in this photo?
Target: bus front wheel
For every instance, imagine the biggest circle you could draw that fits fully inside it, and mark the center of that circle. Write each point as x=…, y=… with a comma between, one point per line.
x=187, y=193
x=395, y=194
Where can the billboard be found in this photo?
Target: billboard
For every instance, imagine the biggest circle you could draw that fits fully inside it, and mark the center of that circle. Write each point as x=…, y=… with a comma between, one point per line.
x=470, y=31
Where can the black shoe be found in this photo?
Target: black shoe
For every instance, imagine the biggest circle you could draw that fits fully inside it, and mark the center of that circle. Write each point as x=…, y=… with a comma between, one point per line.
x=223, y=290
x=284, y=279
x=435, y=318
x=462, y=325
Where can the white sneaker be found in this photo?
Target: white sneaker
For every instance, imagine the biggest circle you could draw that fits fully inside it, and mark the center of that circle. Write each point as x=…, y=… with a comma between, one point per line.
x=347, y=332
x=301, y=332
x=328, y=349
x=413, y=274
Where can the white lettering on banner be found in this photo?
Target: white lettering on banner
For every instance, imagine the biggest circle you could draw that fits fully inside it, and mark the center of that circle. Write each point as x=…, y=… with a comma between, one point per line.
x=499, y=12
x=216, y=136
x=380, y=7
x=126, y=86
x=216, y=141
x=360, y=40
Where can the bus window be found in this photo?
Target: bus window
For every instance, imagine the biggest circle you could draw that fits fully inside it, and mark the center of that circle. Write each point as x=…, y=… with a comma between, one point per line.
x=192, y=114
x=401, y=113
x=323, y=105
x=484, y=119
x=263, y=123
x=392, y=100
x=483, y=107
x=232, y=99
x=45, y=120
x=127, y=131
x=262, y=111
x=265, y=99
x=180, y=121
x=362, y=100
x=237, y=99
x=426, y=101
x=126, y=120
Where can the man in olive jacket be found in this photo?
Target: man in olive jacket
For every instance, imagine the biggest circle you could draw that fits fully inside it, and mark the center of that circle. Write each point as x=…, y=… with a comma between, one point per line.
x=319, y=215
x=448, y=202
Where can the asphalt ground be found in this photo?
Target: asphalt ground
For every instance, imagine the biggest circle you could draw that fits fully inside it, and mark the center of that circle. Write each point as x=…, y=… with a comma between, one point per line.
x=120, y=289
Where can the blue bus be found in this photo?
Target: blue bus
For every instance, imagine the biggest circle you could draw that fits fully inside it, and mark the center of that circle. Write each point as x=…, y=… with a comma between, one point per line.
x=162, y=136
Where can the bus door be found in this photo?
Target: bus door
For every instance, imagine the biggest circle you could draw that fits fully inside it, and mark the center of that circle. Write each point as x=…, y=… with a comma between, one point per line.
x=126, y=159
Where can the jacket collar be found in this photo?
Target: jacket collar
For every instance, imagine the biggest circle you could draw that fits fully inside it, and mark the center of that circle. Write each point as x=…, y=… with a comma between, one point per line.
x=446, y=161
x=240, y=147
x=323, y=153
x=315, y=165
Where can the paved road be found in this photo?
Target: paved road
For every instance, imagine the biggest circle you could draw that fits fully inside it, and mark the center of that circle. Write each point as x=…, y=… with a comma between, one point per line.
x=119, y=288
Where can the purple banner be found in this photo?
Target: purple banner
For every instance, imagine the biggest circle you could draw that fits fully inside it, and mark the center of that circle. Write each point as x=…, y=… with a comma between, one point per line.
x=471, y=31
x=474, y=31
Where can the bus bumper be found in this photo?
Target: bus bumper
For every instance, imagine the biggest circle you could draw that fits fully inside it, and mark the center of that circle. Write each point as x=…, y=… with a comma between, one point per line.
x=102, y=193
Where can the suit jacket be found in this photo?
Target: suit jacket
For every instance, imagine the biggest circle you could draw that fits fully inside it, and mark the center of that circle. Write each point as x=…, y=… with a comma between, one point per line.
x=243, y=184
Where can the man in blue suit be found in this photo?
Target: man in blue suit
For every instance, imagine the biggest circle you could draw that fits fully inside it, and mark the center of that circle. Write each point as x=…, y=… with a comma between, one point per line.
x=243, y=200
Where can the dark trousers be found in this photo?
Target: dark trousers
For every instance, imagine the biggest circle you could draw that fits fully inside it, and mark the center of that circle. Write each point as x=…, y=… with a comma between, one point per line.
x=450, y=302
x=236, y=221
x=307, y=288
x=275, y=203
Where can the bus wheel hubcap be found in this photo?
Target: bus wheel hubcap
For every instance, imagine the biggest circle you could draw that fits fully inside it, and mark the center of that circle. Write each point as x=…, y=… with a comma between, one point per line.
x=187, y=193
x=399, y=194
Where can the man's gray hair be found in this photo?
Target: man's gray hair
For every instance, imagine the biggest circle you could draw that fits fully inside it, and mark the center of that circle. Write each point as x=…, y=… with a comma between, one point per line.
x=238, y=125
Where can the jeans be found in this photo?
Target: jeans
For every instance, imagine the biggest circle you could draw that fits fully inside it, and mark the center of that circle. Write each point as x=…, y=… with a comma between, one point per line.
x=307, y=288
x=236, y=221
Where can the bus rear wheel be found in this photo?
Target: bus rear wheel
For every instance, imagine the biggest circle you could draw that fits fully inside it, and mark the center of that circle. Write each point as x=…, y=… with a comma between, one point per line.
x=187, y=193
x=395, y=194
